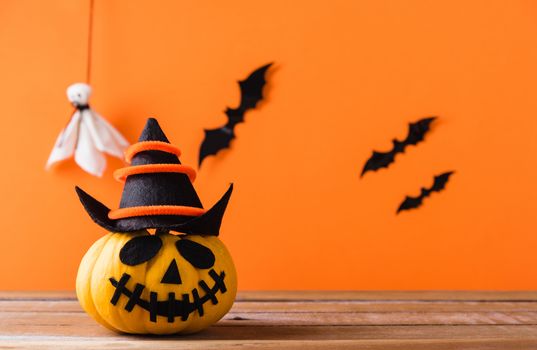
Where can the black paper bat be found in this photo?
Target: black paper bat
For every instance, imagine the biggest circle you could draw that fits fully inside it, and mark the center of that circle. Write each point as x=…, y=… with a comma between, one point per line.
x=415, y=202
x=416, y=134
x=251, y=93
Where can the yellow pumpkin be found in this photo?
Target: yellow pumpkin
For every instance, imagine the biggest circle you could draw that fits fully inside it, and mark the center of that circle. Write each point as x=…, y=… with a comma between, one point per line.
x=157, y=284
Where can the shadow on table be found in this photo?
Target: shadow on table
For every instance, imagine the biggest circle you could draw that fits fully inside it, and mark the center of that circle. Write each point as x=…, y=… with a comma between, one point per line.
x=261, y=333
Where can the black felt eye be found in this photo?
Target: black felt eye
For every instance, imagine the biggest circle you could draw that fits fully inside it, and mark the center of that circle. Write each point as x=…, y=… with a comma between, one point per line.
x=196, y=254
x=140, y=249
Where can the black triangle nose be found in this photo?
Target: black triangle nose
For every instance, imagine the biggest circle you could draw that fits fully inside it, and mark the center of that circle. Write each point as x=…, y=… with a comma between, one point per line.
x=171, y=276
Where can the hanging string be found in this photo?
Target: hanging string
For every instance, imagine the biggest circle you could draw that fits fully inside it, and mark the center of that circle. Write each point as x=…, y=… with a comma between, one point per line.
x=90, y=41
x=88, y=72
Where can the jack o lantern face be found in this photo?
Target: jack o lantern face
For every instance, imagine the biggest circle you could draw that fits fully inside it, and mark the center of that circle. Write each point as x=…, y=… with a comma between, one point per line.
x=160, y=284
x=141, y=249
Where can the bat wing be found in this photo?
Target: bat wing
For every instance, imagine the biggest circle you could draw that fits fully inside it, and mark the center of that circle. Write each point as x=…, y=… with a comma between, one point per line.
x=214, y=141
x=378, y=160
x=440, y=181
x=410, y=203
x=66, y=142
x=252, y=88
x=251, y=93
x=417, y=131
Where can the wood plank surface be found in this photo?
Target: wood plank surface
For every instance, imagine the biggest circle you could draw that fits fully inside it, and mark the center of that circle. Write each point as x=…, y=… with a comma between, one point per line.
x=317, y=320
x=322, y=295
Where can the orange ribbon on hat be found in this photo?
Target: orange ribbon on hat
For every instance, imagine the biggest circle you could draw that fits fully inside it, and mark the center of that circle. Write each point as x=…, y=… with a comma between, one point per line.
x=155, y=210
x=123, y=173
x=150, y=146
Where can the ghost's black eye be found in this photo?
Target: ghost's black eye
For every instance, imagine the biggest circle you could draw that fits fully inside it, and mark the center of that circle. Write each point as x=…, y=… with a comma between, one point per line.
x=199, y=256
x=140, y=249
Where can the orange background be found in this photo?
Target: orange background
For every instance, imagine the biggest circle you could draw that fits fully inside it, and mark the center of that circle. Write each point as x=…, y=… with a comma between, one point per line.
x=349, y=76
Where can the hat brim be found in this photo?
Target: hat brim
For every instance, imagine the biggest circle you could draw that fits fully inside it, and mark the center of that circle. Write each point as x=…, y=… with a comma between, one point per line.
x=207, y=224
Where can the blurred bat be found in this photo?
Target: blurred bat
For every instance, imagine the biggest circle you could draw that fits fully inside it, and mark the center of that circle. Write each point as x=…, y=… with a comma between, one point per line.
x=251, y=93
x=415, y=202
x=416, y=134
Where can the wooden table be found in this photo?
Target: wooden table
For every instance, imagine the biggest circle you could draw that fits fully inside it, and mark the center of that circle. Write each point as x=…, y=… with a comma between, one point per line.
x=295, y=320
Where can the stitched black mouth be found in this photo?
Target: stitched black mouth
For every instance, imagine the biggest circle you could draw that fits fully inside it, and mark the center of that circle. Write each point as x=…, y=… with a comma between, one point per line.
x=170, y=307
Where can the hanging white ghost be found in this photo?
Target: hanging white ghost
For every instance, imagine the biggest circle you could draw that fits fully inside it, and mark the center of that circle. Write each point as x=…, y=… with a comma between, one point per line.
x=88, y=135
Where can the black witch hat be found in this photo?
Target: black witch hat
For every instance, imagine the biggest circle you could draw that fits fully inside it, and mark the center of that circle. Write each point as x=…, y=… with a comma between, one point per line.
x=158, y=192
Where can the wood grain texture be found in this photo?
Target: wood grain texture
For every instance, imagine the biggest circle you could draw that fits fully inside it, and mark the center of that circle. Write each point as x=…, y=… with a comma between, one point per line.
x=272, y=320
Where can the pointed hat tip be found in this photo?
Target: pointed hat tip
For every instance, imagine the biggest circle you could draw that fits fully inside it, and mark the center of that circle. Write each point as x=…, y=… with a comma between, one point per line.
x=152, y=132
